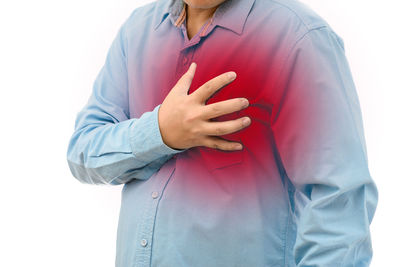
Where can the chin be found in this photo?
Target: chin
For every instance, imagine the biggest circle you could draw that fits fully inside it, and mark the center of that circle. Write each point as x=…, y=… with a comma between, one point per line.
x=205, y=4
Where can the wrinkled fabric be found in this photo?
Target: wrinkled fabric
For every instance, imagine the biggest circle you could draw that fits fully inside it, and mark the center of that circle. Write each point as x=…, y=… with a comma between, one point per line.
x=298, y=194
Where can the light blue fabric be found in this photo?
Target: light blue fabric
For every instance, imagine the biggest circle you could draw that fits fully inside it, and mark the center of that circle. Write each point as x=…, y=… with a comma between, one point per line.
x=327, y=194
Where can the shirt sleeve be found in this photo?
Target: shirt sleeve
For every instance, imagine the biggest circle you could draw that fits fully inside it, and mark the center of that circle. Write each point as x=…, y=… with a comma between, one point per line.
x=108, y=147
x=317, y=127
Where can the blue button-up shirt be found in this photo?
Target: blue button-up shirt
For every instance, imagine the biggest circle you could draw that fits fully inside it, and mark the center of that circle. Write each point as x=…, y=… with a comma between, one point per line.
x=298, y=194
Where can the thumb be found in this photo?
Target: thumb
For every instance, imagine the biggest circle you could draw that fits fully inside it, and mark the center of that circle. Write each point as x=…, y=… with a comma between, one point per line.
x=186, y=80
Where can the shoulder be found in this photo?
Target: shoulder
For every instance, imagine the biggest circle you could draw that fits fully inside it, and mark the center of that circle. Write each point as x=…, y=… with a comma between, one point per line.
x=291, y=18
x=296, y=10
x=143, y=17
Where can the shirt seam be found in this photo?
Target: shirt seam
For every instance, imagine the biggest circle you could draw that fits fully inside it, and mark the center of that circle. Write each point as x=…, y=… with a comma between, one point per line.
x=348, y=104
x=285, y=62
x=308, y=26
x=289, y=54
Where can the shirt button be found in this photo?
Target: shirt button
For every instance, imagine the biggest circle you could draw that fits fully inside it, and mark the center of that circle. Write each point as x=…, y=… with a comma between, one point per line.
x=154, y=194
x=185, y=60
x=143, y=242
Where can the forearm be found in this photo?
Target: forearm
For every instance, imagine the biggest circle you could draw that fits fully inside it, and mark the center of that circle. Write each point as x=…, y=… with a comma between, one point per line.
x=115, y=153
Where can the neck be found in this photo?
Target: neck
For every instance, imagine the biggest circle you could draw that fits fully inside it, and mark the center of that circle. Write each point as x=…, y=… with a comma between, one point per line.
x=196, y=17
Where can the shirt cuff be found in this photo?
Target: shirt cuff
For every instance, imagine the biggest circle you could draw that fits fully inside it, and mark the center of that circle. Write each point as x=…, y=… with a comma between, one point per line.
x=145, y=138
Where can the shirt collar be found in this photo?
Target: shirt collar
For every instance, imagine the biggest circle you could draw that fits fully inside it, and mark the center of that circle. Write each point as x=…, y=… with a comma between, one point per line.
x=231, y=14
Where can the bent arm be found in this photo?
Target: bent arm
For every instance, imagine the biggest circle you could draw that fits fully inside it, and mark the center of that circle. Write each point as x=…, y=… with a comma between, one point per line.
x=319, y=135
x=108, y=147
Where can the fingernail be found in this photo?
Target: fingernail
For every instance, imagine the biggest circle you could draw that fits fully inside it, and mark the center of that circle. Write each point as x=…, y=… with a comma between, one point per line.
x=232, y=75
x=238, y=146
x=246, y=121
x=245, y=103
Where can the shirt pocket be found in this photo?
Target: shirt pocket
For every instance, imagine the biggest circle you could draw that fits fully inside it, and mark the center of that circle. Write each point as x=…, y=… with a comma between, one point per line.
x=218, y=159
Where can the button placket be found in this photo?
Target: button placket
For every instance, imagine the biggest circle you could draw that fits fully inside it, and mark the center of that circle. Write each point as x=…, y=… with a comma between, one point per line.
x=187, y=51
x=184, y=60
x=187, y=55
x=143, y=242
x=143, y=250
x=154, y=195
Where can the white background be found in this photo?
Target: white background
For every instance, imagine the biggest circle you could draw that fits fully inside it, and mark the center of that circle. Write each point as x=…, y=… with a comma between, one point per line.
x=50, y=54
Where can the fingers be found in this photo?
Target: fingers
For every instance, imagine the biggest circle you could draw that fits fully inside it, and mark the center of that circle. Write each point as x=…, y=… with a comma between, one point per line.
x=186, y=79
x=225, y=127
x=224, y=107
x=222, y=144
x=209, y=88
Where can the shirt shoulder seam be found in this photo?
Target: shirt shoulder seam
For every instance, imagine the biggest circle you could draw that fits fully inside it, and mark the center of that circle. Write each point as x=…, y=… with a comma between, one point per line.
x=289, y=54
x=308, y=26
